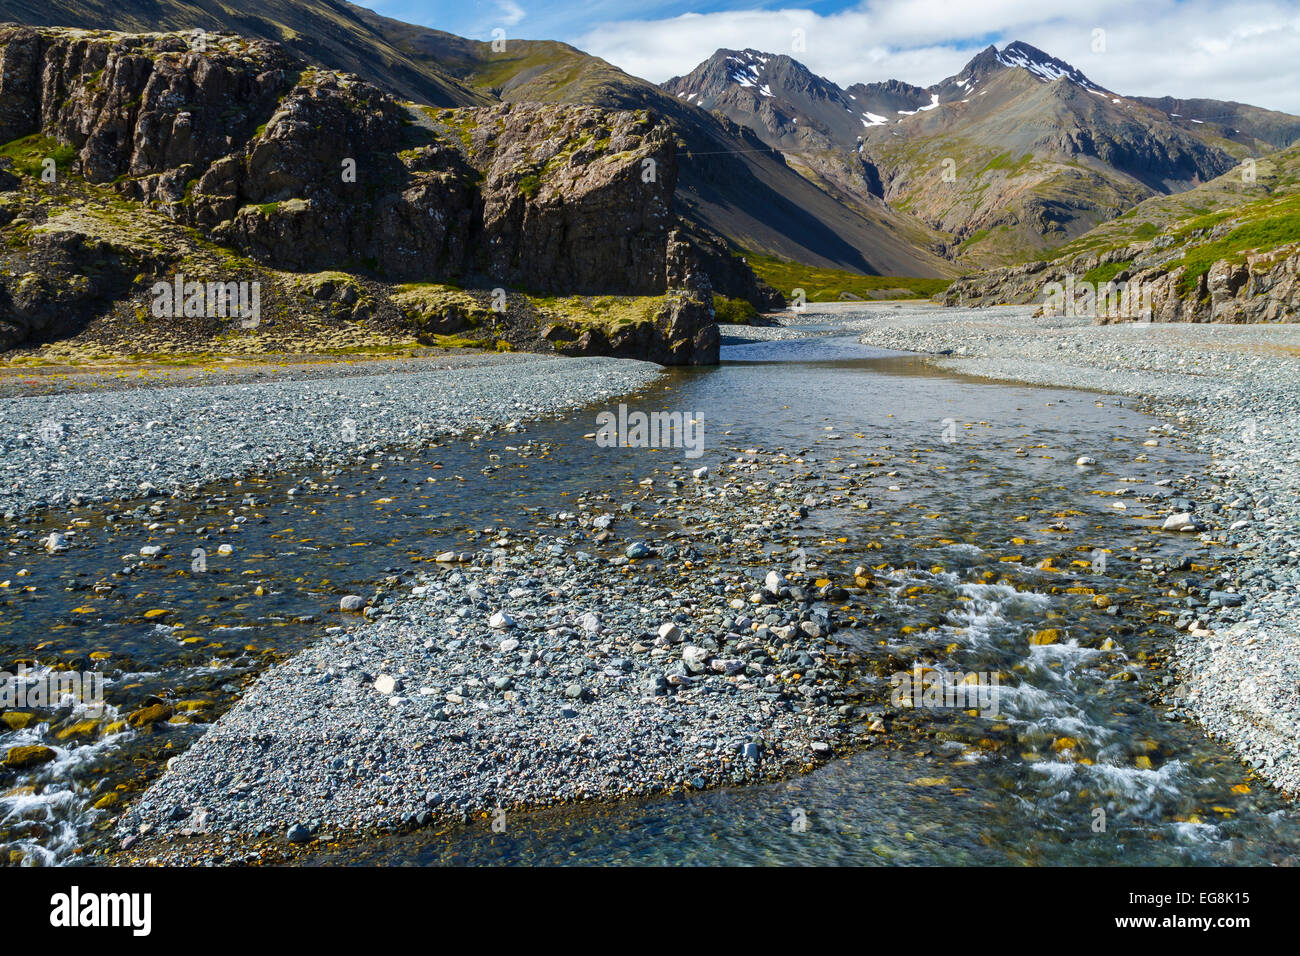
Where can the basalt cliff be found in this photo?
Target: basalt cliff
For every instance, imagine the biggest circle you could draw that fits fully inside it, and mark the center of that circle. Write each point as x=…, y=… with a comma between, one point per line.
x=131, y=158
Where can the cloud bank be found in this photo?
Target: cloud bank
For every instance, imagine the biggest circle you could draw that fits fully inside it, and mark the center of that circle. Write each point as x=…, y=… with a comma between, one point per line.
x=1248, y=51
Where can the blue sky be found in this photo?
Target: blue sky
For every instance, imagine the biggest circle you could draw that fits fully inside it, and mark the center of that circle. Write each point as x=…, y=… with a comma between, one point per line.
x=1245, y=51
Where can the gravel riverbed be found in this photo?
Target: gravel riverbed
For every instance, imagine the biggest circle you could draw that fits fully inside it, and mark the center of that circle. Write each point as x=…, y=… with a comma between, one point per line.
x=87, y=447
x=539, y=673
x=1231, y=390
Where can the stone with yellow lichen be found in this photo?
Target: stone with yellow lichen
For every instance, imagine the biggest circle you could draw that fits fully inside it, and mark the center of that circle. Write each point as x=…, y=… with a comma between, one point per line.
x=19, y=758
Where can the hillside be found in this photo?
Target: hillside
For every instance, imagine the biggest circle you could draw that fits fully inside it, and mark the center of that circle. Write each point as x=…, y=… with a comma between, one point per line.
x=730, y=185
x=1016, y=154
x=731, y=182
x=1226, y=251
x=327, y=33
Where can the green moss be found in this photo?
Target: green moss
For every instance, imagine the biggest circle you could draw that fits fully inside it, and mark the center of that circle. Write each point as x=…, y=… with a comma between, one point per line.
x=530, y=185
x=428, y=305
x=29, y=153
x=605, y=312
x=1102, y=274
x=461, y=342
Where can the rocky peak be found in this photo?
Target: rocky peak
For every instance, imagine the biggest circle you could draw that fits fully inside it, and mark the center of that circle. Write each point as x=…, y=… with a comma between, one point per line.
x=1020, y=55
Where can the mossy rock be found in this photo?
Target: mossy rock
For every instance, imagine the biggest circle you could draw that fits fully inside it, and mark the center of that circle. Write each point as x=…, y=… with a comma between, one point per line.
x=19, y=758
x=332, y=285
x=149, y=715
x=82, y=728
x=440, y=309
x=17, y=719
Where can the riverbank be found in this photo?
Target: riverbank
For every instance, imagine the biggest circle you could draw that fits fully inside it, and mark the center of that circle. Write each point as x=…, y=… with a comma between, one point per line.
x=80, y=447
x=1233, y=391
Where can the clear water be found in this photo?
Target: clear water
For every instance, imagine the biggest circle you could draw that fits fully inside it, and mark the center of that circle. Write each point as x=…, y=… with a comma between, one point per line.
x=986, y=490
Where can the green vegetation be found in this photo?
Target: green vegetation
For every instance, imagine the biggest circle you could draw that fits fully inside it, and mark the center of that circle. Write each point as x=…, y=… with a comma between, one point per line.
x=1279, y=227
x=460, y=342
x=530, y=185
x=30, y=152
x=1003, y=161
x=430, y=303
x=733, y=311
x=831, y=285
x=1102, y=274
x=605, y=312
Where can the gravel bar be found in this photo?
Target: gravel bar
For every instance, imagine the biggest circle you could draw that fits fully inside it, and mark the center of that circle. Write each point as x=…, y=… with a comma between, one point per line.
x=532, y=675
x=83, y=448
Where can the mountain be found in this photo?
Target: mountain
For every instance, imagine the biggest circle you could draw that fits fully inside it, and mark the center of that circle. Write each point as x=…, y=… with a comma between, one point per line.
x=1225, y=251
x=731, y=182
x=1246, y=127
x=1017, y=153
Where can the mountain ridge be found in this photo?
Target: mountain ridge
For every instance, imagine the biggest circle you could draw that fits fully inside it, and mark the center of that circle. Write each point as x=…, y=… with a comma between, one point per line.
x=1036, y=153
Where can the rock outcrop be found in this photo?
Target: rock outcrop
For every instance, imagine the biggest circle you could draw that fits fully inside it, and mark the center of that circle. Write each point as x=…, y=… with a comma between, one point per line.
x=306, y=170
x=1254, y=286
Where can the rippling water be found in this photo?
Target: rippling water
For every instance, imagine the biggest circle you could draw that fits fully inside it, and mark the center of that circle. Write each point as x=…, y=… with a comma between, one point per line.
x=975, y=487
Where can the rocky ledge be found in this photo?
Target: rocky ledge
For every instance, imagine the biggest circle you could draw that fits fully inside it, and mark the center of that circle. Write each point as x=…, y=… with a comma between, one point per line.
x=272, y=165
x=1258, y=286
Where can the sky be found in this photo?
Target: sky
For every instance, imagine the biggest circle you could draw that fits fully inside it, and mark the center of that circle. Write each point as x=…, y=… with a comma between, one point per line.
x=1247, y=51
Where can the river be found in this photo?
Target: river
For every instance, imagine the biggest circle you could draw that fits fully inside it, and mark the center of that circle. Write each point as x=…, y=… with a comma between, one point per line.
x=977, y=487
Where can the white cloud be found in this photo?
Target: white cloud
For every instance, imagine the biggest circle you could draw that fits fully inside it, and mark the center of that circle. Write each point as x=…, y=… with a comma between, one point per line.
x=1195, y=48
x=510, y=12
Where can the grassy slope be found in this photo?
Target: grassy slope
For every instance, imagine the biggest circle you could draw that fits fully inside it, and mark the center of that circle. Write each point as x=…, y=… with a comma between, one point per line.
x=1260, y=215
x=829, y=285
